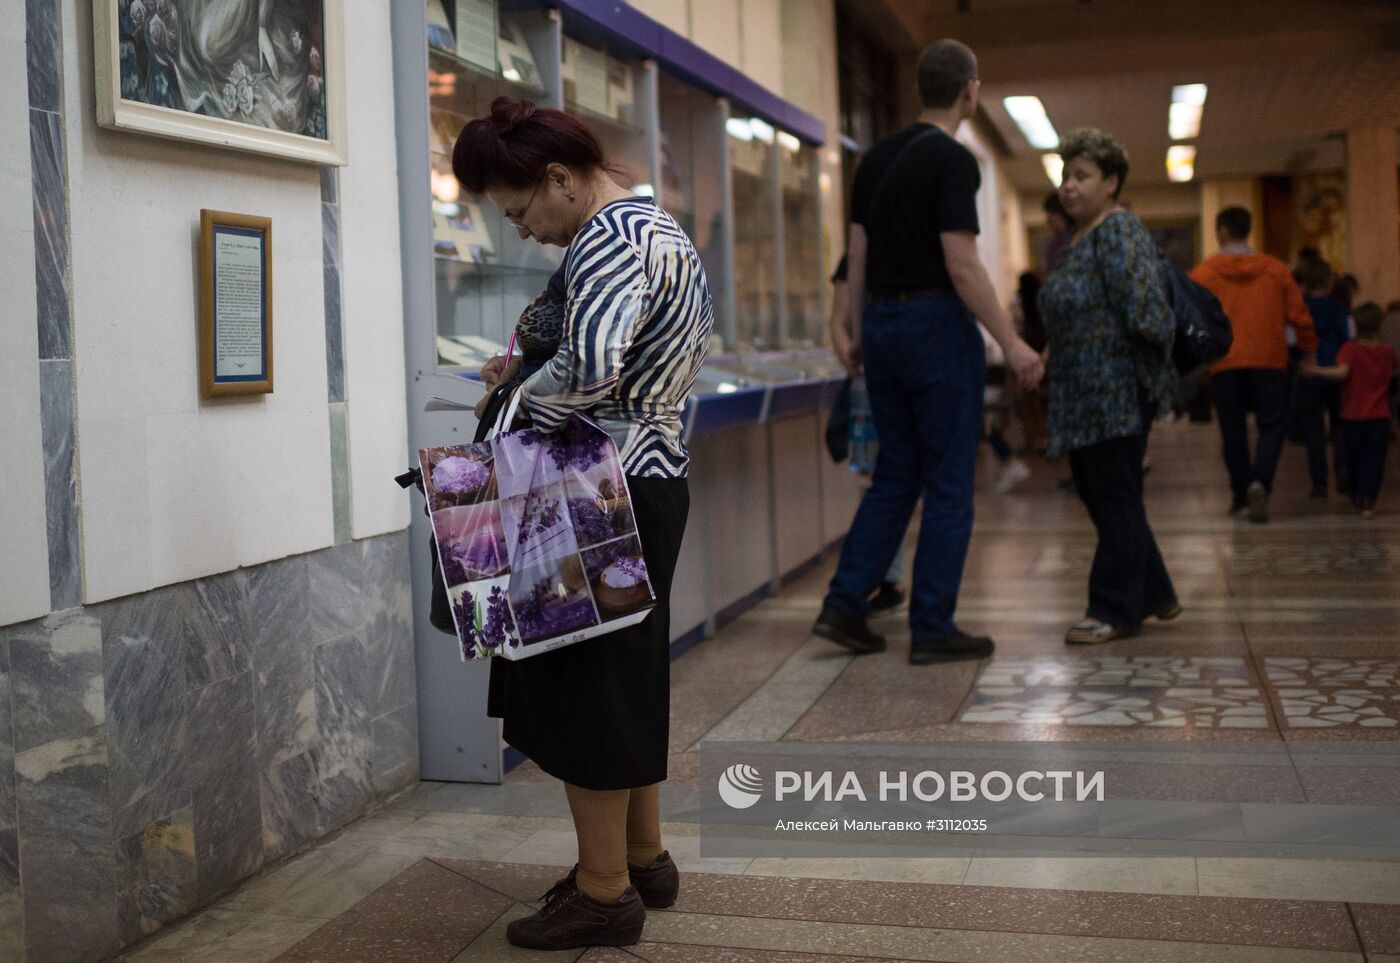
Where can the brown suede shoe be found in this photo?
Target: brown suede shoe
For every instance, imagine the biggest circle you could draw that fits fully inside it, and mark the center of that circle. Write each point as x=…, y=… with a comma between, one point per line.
x=658, y=883
x=570, y=918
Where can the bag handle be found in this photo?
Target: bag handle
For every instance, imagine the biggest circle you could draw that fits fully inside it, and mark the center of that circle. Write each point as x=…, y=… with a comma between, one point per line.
x=506, y=417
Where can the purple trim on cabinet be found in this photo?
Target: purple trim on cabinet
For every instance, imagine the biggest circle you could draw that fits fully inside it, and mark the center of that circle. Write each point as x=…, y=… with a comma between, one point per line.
x=677, y=55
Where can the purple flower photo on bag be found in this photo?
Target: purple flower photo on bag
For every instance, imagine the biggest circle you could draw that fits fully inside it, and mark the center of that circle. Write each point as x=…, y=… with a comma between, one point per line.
x=485, y=625
x=617, y=575
x=551, y=600
x=471, y=541
x=462, y=475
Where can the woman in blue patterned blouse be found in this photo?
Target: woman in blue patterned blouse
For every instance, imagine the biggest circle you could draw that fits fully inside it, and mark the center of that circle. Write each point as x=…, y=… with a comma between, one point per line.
x=636, y=322
x=1109, y=331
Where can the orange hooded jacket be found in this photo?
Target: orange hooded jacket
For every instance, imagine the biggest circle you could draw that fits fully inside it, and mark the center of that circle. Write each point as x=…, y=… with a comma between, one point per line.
x=1261, y=299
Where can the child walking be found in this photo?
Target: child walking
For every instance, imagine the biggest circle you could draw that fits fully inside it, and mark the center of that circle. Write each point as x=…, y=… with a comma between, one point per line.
x=1365, y=366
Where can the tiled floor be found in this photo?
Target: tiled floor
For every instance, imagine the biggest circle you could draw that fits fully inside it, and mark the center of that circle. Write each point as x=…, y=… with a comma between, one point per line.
x=1290, y=640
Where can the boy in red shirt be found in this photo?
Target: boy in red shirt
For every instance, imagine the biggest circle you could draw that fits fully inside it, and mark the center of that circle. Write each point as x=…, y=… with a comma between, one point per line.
x=1367, y=365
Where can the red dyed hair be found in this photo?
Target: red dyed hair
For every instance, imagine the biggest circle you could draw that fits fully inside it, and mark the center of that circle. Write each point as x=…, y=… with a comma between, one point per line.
x=513, y=144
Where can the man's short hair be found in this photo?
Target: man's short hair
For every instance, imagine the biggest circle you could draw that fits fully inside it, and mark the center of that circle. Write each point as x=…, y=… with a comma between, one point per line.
x=945, y=68
x=1368, y=318
x=1109, y=156
x=1236, y=221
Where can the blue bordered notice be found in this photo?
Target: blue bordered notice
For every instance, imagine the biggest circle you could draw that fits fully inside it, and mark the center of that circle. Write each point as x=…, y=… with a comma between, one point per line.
x=240, y=305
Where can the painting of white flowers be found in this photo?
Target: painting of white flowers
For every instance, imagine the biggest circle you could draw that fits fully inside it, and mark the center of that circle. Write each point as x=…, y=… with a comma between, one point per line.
x=265, y=76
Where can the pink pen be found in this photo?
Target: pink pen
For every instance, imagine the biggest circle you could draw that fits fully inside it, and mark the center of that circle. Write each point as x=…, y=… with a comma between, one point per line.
x=510, y=350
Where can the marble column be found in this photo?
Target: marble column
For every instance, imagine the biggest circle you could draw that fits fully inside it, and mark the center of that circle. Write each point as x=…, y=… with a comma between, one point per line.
x=1373, y=211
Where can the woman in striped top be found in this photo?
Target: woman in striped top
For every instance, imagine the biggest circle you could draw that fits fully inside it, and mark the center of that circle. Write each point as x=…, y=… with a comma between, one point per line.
x=637, y=318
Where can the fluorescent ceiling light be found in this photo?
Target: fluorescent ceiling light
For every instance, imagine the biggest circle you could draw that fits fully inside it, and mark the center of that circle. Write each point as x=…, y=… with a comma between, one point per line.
x=761, y=130
x=1029, y=115
x=510, y=73
x=789, y=142
x=1184, y=118
x=644, y=190
x=1181, y=163
x=738, y=128
x=1189, y=94
x=1054, y=166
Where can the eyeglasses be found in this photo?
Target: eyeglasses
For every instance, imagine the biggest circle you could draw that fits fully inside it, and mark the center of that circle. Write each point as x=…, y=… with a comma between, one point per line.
x=519, y=219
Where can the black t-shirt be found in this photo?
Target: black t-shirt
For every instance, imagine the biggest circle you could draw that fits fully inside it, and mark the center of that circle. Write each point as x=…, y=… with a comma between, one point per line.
x=904, y=199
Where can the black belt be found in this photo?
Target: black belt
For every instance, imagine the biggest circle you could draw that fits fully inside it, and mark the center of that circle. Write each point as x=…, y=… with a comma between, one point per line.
x=901, y=297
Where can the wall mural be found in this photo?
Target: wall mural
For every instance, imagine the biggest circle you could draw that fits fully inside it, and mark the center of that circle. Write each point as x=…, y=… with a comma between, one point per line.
x=262, y=75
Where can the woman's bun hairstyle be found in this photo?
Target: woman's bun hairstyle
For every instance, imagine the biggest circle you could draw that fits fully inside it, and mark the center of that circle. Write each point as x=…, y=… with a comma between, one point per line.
x=513, y=144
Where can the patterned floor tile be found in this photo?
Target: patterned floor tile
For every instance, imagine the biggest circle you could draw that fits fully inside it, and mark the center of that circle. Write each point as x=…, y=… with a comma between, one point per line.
x=1327, y=692
x=1116, y=690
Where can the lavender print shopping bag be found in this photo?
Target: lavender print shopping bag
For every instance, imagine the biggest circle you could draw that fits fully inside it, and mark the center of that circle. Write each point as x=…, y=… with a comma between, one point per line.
x=536, y=539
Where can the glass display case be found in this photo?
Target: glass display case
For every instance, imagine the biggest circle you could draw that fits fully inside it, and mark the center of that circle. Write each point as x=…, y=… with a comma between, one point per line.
x=758, y=322
x=691, y=186
x=803, y=271
x=484, y=273
x=610, y=95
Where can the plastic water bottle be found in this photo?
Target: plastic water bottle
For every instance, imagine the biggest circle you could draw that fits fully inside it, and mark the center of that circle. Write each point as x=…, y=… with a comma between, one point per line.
x=863, y=441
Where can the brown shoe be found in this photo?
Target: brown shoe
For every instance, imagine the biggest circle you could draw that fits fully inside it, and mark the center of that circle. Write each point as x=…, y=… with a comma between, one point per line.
x=658, y=883
x=570, y=918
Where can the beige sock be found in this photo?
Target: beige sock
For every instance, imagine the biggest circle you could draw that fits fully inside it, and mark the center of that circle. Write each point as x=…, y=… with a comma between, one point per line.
x=603, y=887
x=643, y=854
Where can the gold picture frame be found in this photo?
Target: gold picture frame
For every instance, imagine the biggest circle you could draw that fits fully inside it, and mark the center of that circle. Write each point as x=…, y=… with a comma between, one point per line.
x=235, y=324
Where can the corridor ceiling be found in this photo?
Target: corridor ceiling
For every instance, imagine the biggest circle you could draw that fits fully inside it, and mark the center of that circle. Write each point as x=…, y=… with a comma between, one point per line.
x=1286, y=77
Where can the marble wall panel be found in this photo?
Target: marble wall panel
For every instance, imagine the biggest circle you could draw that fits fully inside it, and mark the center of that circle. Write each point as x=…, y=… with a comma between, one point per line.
x=156, y=871
x=216, y=643
x=67, y=859
x=343, y=722
x=56, y=678
x=43, y=54
x=144, y=658
x=278, y=611
x=335, y=332
x=224, y=784
x=60, y=483
x=290, y=794
x=285, y=704
x=337, y=577
x=7, y=746
x=393, y=760
x=12, y=926
x=50, y=234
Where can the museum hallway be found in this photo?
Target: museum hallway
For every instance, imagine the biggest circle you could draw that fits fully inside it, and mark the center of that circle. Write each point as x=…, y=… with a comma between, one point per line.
x=1289, y=636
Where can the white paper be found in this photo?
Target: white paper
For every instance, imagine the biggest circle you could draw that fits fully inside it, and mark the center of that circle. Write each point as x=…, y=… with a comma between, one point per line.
x=238, y=305
x=476, y=33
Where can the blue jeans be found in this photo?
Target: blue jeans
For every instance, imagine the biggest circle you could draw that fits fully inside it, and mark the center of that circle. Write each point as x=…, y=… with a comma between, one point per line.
x=925, y=369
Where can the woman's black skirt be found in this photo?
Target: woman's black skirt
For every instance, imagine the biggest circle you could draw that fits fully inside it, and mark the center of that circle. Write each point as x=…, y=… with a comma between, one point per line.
x=597, y=713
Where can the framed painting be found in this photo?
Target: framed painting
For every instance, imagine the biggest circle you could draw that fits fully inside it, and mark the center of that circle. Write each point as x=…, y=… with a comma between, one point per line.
x=264, y=76
x=235, y=317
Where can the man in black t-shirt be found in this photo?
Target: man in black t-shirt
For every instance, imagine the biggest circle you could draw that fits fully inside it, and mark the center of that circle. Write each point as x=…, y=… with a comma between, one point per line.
x=915, y=285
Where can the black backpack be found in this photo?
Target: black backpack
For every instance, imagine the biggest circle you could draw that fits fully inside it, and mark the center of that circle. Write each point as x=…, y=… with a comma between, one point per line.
x=1203, y=334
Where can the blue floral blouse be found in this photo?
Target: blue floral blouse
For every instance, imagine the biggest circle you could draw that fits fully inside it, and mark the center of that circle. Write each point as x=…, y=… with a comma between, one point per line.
x=1106, y=292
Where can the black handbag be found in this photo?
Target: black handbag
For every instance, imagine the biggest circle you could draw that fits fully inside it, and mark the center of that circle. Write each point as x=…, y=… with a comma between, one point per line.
x=440, y=607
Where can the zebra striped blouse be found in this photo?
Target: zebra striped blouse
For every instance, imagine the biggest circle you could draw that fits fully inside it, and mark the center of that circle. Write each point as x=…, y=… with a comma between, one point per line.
x=635, y=334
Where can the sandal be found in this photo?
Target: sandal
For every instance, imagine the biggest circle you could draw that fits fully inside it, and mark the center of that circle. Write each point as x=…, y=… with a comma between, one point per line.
x=1093, y=632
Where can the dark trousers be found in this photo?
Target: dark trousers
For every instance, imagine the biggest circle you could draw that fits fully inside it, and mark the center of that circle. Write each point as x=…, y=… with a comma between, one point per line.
x=925, y=370
x=1263, y=391
x=1128, y=580
x=1319, y=407
x=1365, y=444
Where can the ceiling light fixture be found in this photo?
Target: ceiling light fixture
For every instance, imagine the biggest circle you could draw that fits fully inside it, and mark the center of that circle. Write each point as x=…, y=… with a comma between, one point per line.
x=1184, y=117
x=1054, y=166
x=1029, y=115
x=1181, y=163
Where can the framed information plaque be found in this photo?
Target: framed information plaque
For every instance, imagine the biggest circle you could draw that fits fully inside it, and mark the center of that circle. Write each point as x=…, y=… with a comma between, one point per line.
x=235, y=324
